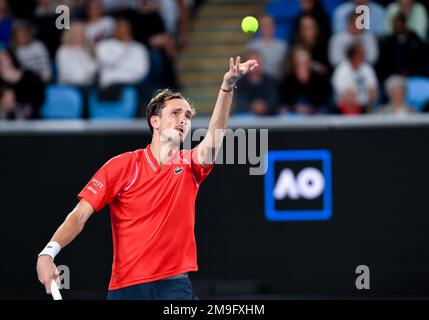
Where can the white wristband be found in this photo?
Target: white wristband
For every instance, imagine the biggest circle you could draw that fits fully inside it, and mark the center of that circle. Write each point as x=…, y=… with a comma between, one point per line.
x=51, y=249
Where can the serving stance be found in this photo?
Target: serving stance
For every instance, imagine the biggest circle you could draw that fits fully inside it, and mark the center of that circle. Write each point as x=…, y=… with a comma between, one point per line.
x=151, y=193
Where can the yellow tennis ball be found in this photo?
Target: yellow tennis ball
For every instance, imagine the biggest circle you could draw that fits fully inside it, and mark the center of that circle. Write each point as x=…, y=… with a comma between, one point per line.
x=249, y=24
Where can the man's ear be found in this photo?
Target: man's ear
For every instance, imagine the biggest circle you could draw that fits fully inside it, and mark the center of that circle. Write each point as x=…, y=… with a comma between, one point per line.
x=154, y=121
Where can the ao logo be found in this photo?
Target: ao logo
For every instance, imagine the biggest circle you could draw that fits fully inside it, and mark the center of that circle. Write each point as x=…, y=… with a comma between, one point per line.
x=298, y=185
x=308, y=184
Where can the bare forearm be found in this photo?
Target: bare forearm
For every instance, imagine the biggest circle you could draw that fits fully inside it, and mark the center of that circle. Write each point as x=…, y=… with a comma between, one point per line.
x=219, y=119
x=68, y=231
x=211, y=144
x=73, y=224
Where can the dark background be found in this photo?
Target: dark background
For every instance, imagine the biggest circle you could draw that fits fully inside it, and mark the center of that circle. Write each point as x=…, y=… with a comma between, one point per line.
x=380, y=218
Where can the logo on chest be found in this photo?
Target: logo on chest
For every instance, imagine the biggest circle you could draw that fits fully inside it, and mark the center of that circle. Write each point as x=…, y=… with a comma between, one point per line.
x=178, y=170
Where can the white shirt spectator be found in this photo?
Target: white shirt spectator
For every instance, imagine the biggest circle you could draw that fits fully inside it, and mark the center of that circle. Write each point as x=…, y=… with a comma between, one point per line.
x=35, y=57
x=102, y=29
x=273, y=55
x=361, y=80
x=340, y=42
x=170, y=14
x=75, y=66
x=121, y=62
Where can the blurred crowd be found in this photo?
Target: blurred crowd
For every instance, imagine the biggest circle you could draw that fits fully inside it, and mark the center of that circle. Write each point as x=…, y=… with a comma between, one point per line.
x=324, y=63
x=110, y=44
x=329, y=64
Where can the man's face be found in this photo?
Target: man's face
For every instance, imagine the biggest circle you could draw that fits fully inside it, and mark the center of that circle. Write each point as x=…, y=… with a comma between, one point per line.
x=174, y=121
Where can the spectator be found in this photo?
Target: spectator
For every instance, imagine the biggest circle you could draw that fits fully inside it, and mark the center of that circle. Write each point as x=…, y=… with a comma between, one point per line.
x=309, y=37
x=396, y=87
x=315, y=9
x=28, y=88
x=272, y=50
x=6, y=23
x=343, y=11
x=75, y=64
x=357, y=74
x=258, y=93
x=31, y=54
x=348, y=103
x=122, y=60
x=403, y=52
x=304, y=90
x=415, y=13
x=8, y=107
x=339, y=43
x=149, y=30
x=98, y=26
x=176, y=15
x=46, y=30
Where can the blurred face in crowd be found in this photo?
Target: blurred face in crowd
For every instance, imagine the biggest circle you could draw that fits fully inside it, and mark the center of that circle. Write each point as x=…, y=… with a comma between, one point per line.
x=123, y=31
x=77, y=34
x=308, y=30
x=399, y=26
x=397, y=92
x=22, y=36
x=46, y=4
x=7, y=101
x=3, y=6
x=5, y=60
x=267, y=27
x=307, y=5
x=302, y=64
x=349, y=96
x=94, y=9
x=359, y=56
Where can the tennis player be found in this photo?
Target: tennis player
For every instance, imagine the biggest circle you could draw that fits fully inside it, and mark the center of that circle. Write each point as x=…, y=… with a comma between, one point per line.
x=151, y=193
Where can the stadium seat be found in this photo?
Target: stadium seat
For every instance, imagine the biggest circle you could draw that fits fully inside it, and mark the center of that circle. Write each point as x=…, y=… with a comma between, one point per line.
x=62, y=102
x=284, y=13
x=125, y=108
x=417, y=91
x=331, y=5
x=283, y=9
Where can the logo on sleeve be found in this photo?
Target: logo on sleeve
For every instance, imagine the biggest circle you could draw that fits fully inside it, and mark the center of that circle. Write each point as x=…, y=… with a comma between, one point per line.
x=178, y=170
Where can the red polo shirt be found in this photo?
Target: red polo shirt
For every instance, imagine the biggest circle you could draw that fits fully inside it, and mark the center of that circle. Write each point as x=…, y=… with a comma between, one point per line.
x=152, y=213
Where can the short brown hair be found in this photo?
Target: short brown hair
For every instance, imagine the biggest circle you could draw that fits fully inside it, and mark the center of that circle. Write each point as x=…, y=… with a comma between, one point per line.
x=157, y=103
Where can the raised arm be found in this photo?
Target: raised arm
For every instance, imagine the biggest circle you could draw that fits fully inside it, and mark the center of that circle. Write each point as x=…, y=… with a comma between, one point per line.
x=71, y=227
x=209, y=147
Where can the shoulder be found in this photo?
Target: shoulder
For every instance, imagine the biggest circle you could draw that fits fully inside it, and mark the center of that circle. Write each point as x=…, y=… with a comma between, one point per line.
x=373, y=6
x=392, y=8
x=343, y=9
x=107, y=21
x=122, y=161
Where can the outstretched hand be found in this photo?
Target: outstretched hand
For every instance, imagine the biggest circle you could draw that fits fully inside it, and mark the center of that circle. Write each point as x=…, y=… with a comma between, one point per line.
x=238, y=70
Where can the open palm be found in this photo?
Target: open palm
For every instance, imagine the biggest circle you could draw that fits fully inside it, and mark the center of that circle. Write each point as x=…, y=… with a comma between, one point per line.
x=238, y=70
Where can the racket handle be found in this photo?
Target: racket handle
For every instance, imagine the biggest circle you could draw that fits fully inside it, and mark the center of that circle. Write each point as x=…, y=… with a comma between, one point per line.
x=55, y=291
